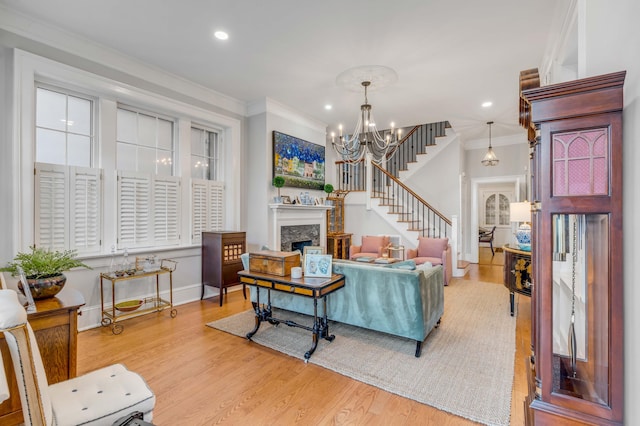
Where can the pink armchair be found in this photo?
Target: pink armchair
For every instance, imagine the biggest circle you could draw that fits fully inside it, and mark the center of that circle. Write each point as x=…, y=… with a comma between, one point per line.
x=434, y=250
x=372, y=246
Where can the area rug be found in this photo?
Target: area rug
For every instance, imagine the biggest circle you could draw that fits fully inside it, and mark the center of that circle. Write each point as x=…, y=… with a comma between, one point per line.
x=466, y=366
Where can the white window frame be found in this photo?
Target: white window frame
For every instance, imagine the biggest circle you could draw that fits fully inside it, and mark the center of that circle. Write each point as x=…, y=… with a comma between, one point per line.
x=155, y=148
x=94, y=114
x=30, y=69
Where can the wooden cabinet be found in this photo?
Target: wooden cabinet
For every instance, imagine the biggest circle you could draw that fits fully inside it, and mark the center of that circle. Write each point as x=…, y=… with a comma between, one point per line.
x=338, y=242
x=577, y=255
x=221, y=259
x=517, y=273
x=338, y=245
x=335, y=216
x=55, y=325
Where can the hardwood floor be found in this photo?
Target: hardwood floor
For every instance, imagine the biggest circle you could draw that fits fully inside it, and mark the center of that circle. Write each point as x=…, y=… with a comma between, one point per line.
x=202, y=376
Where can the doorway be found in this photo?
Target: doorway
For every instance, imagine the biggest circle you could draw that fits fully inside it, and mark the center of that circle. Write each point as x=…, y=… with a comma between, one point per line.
x=485, y=209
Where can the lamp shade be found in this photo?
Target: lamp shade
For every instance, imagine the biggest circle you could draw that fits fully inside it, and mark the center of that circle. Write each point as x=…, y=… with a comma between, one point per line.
x=520, y=212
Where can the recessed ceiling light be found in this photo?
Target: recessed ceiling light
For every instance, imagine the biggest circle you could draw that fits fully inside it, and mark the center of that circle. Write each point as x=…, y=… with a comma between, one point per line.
x=328, y=107
x=487, y=104
x=221, y=35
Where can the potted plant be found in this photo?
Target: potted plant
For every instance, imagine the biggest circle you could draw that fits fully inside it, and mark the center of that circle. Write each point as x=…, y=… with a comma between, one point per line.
x=278, y=182
x=43, y=269
x=328, y=188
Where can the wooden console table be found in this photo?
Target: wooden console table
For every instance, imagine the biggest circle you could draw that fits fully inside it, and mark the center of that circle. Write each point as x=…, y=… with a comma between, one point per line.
x=517, y=273
x=55, y=325
x=316, y=288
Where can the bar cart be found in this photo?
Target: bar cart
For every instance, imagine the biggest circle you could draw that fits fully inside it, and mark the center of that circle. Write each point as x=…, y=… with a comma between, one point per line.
x=127, y=309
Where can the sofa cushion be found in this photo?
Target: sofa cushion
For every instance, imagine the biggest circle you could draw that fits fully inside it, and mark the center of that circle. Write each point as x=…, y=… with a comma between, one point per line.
x=409, y=265
x=363, y=257
x=431, y=247
x=425, y=259
x=371, y=244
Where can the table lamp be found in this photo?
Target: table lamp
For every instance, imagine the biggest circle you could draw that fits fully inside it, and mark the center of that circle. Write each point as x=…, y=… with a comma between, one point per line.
x=521, y=212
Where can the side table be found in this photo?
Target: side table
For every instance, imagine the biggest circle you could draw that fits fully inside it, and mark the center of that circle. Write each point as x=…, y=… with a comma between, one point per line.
x=396, y=252
x=517, y=273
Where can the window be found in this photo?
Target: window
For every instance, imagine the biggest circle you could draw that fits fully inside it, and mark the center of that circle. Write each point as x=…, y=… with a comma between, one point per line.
x=205, y=154
x=496, y=210
x=207, y=193
x=67, y=191
x=144, y=143
x=148, y=194
x=64, y=129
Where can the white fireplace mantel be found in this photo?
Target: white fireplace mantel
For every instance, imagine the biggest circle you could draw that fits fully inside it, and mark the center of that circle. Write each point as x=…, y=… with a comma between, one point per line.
x=294, y=214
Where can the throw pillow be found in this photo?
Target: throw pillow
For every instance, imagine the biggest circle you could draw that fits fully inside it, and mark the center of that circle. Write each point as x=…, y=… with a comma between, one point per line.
x=425, y=266
x=371, y=244
x=431, y=247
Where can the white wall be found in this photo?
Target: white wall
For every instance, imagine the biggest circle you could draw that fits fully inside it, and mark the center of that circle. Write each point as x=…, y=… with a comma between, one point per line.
x=437, y=181
x=267, y=116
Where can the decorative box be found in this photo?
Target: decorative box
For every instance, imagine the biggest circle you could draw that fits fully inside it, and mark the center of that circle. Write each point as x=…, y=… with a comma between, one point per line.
x=273, y=262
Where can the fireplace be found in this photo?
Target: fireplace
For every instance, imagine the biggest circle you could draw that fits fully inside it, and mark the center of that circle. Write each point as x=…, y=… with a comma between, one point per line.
x=292, y=223
x=300, y=245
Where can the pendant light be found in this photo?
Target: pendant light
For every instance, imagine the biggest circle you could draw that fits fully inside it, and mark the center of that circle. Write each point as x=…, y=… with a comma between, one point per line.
x=490, y=158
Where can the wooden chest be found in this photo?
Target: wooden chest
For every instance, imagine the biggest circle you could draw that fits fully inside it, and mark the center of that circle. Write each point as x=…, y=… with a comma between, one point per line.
x=273, y=262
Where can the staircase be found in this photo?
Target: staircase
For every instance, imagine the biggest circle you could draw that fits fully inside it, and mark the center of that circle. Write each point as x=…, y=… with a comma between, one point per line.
x=411, y=211
x=408, y=213
x=415, y=143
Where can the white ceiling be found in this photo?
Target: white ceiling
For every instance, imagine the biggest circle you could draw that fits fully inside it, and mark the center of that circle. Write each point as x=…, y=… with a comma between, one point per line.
x=450, y=55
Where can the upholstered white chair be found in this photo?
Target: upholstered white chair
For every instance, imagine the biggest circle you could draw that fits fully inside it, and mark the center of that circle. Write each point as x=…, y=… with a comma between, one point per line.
x=97, y=398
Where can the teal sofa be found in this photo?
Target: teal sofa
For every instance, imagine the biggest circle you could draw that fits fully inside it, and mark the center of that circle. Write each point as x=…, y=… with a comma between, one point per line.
x=406, y=303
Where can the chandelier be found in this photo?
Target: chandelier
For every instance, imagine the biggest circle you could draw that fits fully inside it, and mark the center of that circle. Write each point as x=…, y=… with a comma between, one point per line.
x=490, y=158
x=365, y=138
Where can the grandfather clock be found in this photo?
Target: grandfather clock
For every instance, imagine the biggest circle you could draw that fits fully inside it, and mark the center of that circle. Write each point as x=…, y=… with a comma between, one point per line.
x=577, y=300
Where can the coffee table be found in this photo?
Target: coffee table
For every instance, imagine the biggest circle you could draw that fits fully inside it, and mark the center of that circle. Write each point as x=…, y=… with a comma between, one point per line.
x=314, y=288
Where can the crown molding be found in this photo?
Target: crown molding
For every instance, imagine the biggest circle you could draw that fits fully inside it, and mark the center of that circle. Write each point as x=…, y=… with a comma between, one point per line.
x=63, y=42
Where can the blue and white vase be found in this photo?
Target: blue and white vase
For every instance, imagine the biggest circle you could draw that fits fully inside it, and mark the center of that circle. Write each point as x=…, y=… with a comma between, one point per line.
x=523, y=236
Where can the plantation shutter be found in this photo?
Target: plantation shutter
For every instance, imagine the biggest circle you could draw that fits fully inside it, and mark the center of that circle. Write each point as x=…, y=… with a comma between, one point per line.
x=51, y=206
x=68, y=208
x=206, y=207
x=166, y=209
x=198, y=209
x=216, y=207
x=134, y=205
x=85, y=218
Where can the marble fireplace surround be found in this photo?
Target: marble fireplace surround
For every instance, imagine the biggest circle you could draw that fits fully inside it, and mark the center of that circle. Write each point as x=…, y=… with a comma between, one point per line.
x=292, y=215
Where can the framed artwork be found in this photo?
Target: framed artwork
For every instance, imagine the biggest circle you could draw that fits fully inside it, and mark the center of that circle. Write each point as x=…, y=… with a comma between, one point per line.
x=286, y=199
x=317, y=265
x=299, y=162
x=311, y=250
